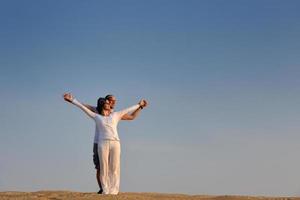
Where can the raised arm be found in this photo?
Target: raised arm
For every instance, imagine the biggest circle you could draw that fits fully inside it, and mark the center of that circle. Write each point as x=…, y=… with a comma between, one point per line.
x=71, y=99
x=122, y=113
x=131, y=116
x=91, y=108
x=135, y=113
x=68, y=97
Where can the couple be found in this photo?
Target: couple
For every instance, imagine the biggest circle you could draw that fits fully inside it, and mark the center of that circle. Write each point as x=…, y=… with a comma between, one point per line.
x=106, y=141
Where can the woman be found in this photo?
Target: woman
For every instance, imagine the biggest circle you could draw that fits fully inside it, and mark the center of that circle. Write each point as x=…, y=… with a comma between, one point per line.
x=108, y=141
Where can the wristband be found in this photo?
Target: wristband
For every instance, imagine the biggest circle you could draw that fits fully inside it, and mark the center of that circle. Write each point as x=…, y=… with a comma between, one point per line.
x=74, y=101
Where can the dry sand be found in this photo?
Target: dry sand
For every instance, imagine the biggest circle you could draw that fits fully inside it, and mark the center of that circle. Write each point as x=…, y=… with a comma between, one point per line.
x=56, y=195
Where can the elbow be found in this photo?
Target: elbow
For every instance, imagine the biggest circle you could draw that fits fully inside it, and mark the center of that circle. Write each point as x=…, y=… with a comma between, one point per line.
x=130, y=118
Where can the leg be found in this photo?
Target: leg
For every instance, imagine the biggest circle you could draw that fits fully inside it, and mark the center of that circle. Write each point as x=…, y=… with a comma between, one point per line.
x=99, y=181
x=114, y=166
x=103, y=152
x=97, y=166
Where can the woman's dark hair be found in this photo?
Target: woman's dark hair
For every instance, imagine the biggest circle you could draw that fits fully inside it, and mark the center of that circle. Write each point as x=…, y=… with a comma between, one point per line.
x=100, y=104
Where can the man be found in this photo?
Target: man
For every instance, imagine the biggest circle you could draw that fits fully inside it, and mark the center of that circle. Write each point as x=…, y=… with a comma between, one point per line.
x=111, y=100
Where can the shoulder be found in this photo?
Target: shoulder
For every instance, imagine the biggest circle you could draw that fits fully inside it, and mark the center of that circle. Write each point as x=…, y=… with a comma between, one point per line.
x=98, y=116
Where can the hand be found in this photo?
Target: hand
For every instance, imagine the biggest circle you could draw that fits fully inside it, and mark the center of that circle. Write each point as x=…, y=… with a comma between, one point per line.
x=68, y=97
x=143, y=103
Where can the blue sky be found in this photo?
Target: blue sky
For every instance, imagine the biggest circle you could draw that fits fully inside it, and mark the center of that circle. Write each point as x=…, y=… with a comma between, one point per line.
x=221, y=77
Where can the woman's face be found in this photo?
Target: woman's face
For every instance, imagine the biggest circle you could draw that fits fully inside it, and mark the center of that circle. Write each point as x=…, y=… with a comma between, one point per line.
x=106, y=105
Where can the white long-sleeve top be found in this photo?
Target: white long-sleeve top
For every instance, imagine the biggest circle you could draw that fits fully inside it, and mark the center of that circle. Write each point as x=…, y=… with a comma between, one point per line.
x=106, y=126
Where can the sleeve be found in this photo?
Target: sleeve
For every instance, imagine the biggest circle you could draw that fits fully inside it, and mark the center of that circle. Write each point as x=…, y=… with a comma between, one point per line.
x=120, y=113
x=84, y=109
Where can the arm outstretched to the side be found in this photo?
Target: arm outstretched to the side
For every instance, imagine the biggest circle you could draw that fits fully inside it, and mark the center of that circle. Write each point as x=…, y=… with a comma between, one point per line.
x=143, y=103
x=69, y=98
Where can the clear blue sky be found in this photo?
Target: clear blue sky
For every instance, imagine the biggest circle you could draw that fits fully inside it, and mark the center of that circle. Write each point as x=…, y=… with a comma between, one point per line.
x=221, y=77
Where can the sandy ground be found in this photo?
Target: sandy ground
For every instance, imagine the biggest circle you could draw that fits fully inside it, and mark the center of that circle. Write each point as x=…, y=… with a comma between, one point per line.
x=56, y=195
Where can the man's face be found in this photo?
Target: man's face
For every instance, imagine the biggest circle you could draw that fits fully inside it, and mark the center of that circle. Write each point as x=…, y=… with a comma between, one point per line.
x=112, y=101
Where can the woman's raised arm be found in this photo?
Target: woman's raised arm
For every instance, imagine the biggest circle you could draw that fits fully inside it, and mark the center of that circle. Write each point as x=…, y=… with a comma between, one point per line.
x=122, y=113
x=68, y=97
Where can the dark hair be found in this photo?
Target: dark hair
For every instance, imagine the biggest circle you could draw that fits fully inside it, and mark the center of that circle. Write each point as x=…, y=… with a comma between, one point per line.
x=100, y=104
x=108, y=96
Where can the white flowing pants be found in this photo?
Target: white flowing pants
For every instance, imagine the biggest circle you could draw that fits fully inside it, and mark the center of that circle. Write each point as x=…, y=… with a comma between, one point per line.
x=109, y=152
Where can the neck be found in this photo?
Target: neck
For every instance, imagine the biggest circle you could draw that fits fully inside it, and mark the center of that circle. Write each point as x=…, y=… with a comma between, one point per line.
x=105, y=112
